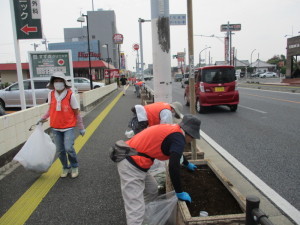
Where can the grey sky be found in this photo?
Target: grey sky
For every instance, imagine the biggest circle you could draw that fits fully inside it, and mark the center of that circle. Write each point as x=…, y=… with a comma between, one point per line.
x=264, y=25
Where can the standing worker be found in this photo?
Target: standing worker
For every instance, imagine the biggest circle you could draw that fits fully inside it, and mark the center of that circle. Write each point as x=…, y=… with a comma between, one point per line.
x=123, y=81
x=153, y=114
x=64, y=115
x=162, y=142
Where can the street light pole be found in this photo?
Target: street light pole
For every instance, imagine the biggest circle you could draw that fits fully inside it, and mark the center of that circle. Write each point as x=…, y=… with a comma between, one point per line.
x=106, y=46
x=251, y=57
x=81, y=19
x=141, y=44
x=200, y=55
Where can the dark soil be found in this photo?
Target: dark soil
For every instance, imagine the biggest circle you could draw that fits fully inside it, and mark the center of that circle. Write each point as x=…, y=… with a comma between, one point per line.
x=208, y=193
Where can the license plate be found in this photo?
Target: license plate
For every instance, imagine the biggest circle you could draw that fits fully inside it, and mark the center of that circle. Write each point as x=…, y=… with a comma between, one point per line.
x=219, y=89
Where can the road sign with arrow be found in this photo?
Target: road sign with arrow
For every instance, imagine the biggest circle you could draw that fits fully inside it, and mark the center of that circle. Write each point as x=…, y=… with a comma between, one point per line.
x=28, y=19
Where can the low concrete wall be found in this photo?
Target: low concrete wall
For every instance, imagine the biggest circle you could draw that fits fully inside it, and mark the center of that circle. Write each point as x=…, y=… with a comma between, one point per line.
x=91, y=98
x=14, y=128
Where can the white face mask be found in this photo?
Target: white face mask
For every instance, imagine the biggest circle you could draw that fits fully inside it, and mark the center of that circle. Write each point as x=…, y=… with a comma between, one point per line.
x=59, y=86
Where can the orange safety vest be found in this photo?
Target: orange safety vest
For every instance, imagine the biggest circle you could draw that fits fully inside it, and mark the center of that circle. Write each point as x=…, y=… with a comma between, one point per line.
x=153, y=112
x=66, y=117
x=140, y=83
x=149, y=142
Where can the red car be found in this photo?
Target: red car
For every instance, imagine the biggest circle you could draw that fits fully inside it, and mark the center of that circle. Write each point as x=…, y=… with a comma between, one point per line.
x=214, y=85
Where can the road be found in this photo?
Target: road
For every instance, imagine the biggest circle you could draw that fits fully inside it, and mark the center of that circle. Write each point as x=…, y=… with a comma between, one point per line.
x=263, y=135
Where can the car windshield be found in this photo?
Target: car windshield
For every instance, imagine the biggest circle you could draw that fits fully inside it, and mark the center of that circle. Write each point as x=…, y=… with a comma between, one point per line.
x=218, y=75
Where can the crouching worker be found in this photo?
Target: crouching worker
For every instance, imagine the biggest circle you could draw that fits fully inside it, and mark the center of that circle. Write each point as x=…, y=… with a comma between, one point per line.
x=64, y=116
x=153, y=114
x=162, y=142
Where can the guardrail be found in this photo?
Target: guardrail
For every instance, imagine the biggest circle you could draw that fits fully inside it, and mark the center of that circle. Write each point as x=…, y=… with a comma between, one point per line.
x=149, y=93
x=254, y=215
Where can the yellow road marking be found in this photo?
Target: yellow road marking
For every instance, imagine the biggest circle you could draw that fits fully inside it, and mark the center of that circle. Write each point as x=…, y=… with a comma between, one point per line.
x=23, y=208
x=278, y=99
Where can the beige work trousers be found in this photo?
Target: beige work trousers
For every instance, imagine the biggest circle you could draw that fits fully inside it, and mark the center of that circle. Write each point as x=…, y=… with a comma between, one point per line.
x=137, y=188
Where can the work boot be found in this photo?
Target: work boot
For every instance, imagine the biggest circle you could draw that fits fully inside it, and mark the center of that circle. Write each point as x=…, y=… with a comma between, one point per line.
x=64, y=173
x=74, y=172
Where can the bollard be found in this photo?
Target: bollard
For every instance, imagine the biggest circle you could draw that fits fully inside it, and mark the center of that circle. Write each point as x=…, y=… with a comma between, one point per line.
x=252, y=202
x=254, y=215
x=260, y=217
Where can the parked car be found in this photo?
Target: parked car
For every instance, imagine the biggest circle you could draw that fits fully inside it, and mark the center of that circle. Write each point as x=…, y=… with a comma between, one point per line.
x=184, y=79
x=215, y=85
x=83, y=84
x=267, y=74
x=10, y=96
x=178, y=77
x=255, y=74
x=148, y=77
x=2, y=111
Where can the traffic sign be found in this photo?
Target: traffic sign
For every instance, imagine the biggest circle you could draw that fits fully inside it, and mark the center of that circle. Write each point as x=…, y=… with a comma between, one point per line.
x=118, y=39
x=28, y=19
x=136, y=47
x=230, y=27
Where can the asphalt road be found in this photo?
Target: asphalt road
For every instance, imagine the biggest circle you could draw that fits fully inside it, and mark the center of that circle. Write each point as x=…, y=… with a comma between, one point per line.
x=263, y=135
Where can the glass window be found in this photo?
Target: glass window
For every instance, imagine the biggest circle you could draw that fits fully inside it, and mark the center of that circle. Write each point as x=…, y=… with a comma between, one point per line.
x=218, y=75
x=15, y=87
x=40, y=84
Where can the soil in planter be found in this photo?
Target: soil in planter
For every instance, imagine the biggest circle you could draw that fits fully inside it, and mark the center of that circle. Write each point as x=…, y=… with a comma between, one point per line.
x=208, y=193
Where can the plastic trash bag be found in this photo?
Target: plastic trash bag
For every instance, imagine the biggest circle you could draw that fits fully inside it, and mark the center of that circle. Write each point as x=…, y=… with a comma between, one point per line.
x=38, y=153
x=157, y=167
x=161, y=211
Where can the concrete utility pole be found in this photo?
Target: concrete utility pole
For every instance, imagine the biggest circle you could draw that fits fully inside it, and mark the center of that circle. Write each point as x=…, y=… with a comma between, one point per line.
x=192, y=69
x=161, y=50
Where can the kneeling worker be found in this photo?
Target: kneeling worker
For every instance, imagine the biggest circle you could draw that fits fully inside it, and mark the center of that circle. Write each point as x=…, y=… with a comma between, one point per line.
x=162, y=142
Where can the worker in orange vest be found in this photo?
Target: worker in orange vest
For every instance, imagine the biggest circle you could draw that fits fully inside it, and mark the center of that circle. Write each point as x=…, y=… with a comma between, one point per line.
x=64, y=116
x=162, y=142
x=153, y=114
x=138, y=85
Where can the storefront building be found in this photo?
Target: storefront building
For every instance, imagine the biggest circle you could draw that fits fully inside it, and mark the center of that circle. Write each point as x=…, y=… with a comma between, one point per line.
x=293, y=57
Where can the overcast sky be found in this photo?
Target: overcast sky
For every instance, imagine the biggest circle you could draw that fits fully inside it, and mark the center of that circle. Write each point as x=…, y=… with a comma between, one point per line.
x=264, y=26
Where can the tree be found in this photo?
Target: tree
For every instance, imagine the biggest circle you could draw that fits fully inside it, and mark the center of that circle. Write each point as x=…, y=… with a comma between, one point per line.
x=279, y=61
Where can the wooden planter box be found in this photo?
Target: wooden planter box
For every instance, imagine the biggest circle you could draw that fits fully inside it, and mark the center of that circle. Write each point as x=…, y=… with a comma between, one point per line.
x=183, y=214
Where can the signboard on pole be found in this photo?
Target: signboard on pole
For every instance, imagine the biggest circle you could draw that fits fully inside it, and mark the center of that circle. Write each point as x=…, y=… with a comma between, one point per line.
x=111, y=73
x=118, y=39
x=123, y=61
x=45, y=63
x=177, y=19
x=28, y=19
x=230, y=27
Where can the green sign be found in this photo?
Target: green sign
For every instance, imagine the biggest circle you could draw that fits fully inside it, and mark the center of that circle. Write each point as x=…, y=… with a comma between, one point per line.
x=44, y=64
x=28, y=19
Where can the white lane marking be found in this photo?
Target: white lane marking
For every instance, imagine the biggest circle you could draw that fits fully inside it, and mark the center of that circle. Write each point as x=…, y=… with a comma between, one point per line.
x=256, y=110
x=280, y=202
x=284, y=92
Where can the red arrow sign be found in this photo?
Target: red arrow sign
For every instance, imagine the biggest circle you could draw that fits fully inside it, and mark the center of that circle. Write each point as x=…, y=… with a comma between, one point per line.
x=26, y=29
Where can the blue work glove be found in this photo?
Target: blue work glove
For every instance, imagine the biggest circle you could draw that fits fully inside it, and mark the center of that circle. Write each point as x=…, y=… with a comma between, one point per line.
x=82, y=132
x=184, y=196
x=191, y=166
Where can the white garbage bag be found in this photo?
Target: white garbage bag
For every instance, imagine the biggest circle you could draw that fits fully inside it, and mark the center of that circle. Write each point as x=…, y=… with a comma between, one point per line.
x=161, y=211
x=38, y=153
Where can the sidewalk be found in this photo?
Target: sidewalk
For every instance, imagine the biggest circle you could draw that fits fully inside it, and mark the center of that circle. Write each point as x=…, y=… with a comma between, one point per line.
x=95, y=196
